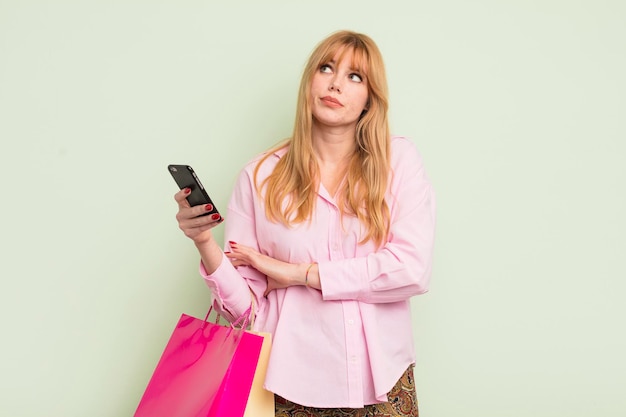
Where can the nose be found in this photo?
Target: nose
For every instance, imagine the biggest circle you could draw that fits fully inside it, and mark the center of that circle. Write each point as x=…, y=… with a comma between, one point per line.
x=334, y=85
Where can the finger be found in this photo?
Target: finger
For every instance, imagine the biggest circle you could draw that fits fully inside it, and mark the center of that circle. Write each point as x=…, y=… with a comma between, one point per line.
x=201, y=221
x=185, y=215
x=195, y=232
x=195, y=215
x=181, y=197
x=241, y=258
x=241, y=249
x=203, y=209
x=195, y=225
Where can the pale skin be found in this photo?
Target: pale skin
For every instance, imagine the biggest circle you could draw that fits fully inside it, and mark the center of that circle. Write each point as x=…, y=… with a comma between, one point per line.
x=339, y=94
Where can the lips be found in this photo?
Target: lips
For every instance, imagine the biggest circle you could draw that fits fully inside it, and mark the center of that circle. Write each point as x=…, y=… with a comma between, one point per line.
x=331, y=101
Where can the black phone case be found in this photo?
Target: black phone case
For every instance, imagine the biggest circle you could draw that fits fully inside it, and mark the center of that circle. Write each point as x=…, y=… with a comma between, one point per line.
x=186, y=177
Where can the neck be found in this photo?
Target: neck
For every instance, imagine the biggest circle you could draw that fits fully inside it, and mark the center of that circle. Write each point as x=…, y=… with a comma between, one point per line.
x=333, y=147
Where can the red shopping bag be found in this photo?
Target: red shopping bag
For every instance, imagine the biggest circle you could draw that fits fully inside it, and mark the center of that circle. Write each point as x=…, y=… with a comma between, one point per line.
x=194, y=376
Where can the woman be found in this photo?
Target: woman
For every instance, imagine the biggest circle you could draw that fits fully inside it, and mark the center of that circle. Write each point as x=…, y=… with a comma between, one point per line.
x=331, y=233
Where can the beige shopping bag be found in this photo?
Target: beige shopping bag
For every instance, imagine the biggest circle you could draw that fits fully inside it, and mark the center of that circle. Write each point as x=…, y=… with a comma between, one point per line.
x=261, y=401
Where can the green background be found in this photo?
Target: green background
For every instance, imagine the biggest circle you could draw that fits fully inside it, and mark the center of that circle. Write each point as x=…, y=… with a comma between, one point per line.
x=518, y=108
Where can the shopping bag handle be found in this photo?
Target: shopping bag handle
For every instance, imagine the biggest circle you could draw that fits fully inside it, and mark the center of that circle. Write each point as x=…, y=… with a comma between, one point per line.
x=245, y=317
x=252, y=310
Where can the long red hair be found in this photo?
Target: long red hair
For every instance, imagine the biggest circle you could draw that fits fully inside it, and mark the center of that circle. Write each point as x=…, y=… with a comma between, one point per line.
x=290, y=190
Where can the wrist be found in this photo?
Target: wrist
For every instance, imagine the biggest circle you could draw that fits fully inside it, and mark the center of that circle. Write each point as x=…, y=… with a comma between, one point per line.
x=210, y=254
x=308, y=275
x=206, y=245
x=204, y=239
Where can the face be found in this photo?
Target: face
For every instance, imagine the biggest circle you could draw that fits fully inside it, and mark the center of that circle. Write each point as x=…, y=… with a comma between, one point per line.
x=339, y=93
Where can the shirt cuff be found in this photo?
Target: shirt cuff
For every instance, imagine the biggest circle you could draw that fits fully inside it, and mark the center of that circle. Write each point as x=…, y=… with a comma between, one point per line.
x=344, y=280
x=228, y=287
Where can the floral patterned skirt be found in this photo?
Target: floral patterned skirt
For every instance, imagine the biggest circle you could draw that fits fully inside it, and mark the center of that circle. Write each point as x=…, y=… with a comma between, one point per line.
x=402, y=403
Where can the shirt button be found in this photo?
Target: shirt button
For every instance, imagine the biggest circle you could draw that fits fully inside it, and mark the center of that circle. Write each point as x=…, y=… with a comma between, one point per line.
x=350, y=322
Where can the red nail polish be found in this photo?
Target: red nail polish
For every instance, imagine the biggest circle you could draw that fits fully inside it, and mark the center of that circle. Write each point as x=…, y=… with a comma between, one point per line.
x=232, y=243
x=187, y=190
x=215, y=216
x=208, y=207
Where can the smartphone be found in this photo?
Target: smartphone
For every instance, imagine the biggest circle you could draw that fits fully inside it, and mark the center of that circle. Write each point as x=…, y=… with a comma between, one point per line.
x=186, y=177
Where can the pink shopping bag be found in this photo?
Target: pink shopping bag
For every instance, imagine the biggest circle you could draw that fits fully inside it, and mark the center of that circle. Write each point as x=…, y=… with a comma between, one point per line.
x=206, y=370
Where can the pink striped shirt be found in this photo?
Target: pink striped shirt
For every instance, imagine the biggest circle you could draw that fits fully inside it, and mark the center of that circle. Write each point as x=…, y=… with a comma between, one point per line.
x=347, y=345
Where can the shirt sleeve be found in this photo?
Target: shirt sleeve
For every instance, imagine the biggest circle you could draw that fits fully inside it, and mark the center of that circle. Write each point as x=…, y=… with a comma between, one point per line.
x=229, y=292
x=231, y=287
x=402, y=267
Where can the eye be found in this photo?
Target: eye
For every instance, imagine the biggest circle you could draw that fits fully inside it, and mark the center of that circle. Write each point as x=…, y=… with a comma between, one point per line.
x=355, y=77
x=326, y=68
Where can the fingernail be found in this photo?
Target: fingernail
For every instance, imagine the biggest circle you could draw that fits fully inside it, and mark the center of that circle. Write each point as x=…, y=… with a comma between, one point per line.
x=208, y=207
x=215, y=216
x=187, y=190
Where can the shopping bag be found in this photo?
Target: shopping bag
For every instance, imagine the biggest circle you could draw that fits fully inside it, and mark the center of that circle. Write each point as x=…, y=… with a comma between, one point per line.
x=261, y=401
x=232, y=397
x=192, y=376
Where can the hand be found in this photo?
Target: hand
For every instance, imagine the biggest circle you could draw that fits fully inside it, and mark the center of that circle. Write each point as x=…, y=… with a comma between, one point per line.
x=279, y=274
x=196, y=228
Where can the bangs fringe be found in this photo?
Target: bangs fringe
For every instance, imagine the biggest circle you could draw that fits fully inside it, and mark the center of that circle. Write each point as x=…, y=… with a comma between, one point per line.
x=359, y=57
